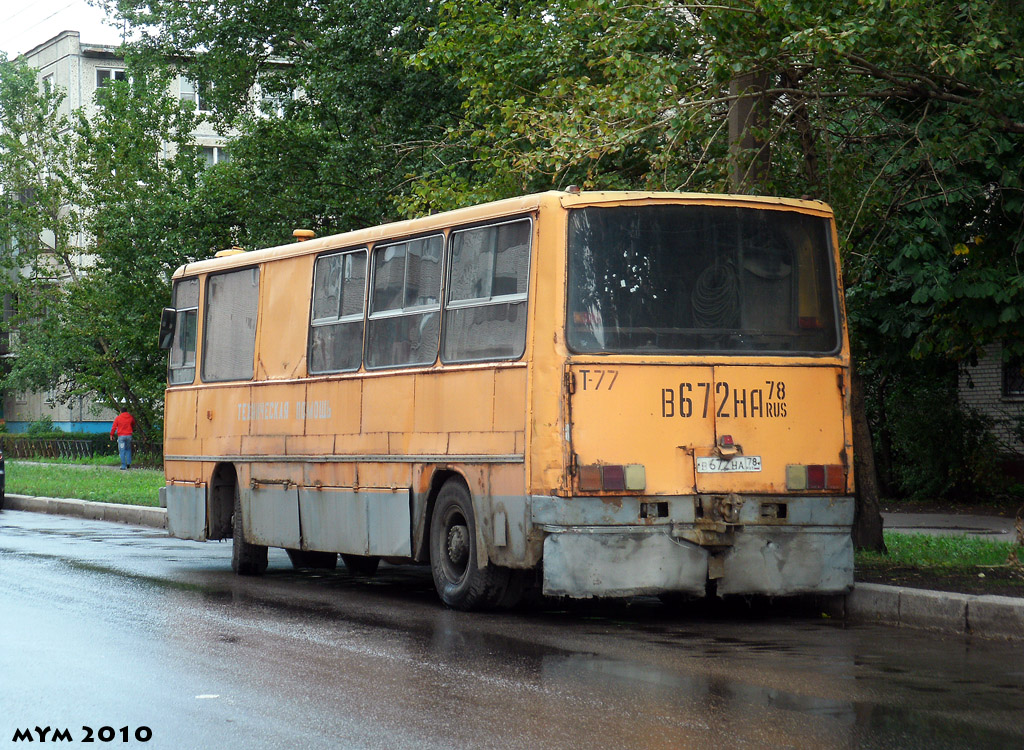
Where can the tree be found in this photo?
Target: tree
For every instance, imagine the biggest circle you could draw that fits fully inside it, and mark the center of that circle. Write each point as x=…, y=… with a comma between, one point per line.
x=39, y=212
x=907, y=117
x=89, y=310
x=334, y=136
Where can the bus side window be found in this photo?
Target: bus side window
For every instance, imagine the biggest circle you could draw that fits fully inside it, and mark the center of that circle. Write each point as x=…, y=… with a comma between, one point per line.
x=229, y=325
x=181, y=366
x=336, y=330
x=485, y=316
x=405, y=303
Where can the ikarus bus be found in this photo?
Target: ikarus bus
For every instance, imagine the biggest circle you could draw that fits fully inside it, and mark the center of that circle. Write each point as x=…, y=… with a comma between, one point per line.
x=604, y=394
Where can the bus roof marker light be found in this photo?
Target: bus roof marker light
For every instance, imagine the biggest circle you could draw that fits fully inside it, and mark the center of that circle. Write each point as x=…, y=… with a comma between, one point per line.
x=301, y=235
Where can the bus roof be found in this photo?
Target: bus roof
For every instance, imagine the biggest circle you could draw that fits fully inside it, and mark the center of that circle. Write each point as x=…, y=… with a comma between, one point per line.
x=495, y=209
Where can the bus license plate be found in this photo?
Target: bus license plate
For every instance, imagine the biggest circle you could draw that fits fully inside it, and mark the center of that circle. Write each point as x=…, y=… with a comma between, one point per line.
x=713, y=465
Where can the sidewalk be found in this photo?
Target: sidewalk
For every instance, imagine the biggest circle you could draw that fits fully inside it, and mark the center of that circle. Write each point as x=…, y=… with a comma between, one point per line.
x=953, y=614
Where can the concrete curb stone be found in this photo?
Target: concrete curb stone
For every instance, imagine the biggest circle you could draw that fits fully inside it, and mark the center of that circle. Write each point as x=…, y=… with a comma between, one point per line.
x=138, y=515
x=955, y=614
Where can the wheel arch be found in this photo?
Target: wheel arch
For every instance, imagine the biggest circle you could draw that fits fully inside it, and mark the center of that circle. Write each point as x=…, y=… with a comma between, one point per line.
x=438, y=478
x=221, y=500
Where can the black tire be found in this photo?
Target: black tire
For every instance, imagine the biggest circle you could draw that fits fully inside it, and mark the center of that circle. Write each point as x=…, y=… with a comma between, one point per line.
x=246, y=559
x=460, y=581
x=306, y=559
x=361, y=565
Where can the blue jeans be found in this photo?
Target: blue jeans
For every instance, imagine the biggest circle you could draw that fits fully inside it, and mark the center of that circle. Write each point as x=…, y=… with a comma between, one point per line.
x=124, y=449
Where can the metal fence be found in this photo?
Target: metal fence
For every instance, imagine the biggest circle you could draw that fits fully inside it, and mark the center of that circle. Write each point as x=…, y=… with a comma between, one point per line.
x=46, y=447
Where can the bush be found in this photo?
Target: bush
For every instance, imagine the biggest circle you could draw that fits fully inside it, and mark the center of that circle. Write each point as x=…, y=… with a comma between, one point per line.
x=42, y=426
x=927, y=446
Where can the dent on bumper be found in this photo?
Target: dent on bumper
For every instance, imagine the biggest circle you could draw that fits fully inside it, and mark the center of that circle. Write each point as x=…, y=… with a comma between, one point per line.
x=582, y=565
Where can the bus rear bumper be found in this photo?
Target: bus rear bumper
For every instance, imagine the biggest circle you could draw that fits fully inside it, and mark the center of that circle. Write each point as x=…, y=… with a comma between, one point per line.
x=593, y=549
x=581, y=564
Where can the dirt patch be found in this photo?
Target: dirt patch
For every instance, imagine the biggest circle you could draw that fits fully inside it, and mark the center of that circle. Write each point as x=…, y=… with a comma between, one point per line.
x=999, y=581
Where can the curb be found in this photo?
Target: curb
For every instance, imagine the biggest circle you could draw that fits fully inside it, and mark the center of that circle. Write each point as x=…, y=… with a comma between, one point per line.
x=938, y=611
x=139, y=515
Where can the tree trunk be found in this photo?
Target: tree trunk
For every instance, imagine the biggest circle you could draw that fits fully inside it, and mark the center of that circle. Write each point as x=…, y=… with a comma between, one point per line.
x=867, y=518
x=747, y=114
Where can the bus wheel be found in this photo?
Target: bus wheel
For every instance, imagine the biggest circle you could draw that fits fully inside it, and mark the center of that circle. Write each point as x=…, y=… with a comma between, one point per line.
x=246, y=559
x=304, y=559
x=360, y=565
x=459, y=581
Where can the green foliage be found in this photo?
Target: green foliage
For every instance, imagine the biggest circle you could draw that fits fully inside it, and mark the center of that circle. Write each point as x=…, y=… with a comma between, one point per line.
x=911, y=404
x=93, y=332
x=341, y=128
x=907, y=117
x=42, y=426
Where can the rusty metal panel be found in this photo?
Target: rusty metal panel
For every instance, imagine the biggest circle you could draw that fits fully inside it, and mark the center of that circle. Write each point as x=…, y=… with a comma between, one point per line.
x=388, y=522
x=272, y=516
x=333, y=521
x=604, y=511
x=781, y=561
x=364, y=522
x=582, y=565
x=186, y=511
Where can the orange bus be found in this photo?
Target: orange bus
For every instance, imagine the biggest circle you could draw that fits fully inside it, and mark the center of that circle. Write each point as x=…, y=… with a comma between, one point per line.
x=606, y=394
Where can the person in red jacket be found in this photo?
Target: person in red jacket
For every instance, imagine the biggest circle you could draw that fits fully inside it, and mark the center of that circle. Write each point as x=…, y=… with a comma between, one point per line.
x=124, y=425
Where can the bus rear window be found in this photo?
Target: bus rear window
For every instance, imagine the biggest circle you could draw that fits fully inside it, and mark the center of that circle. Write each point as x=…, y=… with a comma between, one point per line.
x=691, y=279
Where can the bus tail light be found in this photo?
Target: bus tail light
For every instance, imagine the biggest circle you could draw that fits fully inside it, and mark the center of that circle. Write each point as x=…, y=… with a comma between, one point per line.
x=815, y=477
x=613, y=478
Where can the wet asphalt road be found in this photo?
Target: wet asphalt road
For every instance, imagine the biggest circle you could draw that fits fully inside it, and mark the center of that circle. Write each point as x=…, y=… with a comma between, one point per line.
x=109, y=625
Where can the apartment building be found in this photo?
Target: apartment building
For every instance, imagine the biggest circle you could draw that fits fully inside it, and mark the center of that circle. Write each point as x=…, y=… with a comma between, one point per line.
x=995, y=387
x=80, y=69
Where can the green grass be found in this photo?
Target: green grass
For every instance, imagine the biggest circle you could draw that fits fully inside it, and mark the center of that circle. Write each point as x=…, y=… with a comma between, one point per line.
x=945, y=552
x=98, y=483
x=104, y=460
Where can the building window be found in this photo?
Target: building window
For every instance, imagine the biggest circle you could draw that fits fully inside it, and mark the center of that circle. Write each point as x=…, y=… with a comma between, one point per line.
x=105, y=76
x=1013, y=377
x=195, y=92
x=48, y=84
x=215, y=155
